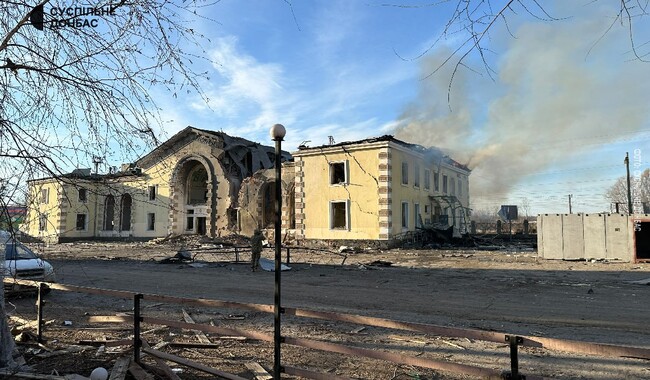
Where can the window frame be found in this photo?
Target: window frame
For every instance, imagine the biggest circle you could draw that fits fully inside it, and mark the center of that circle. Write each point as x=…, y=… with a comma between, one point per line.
x=416, y=214
x=346, y=173
x=85, y=222
x=416, y=175
x=436, y=181
x=151, y=221
x=405, y=173
x=84, y=198
x=45, y=195
x=405, y=215
x=346, y=204
x=152, y=192
x=42, y=222
x=427, y=179
x=445, y=184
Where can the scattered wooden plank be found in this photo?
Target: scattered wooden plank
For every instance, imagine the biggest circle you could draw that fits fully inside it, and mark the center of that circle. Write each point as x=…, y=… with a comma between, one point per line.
x=107, y=343
x=177, y=359
x=452, y=344
x=199, y=334
x=358, y=330
x=119, y=369
x=110, y=319
x=161, y=363
x=157, y=329
x=138, y=373
x=258, y=371
x=405, y=339
x=25, y=375
x=194, y=345
x=69, y=350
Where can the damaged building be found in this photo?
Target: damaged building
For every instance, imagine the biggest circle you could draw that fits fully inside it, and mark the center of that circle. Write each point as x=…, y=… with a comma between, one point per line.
x=377, y=189
x=190, y=184
x=209, y=183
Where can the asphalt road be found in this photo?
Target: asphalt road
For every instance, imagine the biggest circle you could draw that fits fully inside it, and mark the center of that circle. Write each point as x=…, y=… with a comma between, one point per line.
x=591, y=305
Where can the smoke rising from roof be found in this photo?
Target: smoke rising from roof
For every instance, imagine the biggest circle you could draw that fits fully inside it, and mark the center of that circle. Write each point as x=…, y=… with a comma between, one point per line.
x=552, y=98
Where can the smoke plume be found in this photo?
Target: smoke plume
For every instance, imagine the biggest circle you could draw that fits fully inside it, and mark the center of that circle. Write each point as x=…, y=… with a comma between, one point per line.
x=552, y=98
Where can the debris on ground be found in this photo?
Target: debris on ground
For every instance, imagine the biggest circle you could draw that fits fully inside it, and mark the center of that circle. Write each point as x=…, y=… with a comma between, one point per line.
x=182, y=256
x=269, y=265
x=380, y=263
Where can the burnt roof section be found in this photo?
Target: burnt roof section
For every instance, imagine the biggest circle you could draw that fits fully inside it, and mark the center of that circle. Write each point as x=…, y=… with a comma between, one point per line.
x=185, y=136
x=432, y=152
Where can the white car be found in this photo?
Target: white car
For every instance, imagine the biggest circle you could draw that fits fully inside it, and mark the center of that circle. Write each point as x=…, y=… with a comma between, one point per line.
x=22, y=263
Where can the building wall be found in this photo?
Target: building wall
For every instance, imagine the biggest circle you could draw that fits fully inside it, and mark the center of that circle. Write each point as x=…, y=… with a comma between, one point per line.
x=48, y=228
x=359, y=193
x=413, y=193
x=586, y=236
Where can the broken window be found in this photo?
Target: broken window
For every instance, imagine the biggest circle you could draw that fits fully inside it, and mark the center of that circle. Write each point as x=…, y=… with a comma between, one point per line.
x=82, y=195
x=45, y=196
x=405, y=215
x=152, y=193
x=197, y=186
x=339, y=215
x=416, y=175
x=151, y=221
x=427, y=179
x=338, y=173
x=109, y=213
x=81, y=222
x=405, y=173
x=444, y=184
x=42, y=222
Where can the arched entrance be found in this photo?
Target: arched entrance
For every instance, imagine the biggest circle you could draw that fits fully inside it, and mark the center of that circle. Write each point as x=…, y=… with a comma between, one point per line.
x=192, y=187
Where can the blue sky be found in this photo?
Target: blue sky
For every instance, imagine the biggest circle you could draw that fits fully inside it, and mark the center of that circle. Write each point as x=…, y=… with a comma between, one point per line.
x=557, y=117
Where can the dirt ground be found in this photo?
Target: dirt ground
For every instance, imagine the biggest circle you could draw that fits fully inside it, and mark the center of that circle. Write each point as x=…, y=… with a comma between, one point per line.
x=505, y=291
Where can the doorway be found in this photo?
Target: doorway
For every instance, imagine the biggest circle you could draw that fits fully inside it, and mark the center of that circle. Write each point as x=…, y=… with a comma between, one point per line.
x=200, y=225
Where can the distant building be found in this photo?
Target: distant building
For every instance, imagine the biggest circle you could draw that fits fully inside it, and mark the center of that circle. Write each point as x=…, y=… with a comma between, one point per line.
x=208, y=183
x=12, y=216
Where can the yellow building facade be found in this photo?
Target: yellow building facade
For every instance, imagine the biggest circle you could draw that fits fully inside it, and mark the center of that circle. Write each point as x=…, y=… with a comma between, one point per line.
x=377, y=189
x=208, y=183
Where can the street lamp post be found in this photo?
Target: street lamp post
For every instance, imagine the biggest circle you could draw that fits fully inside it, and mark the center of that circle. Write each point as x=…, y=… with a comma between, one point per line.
x=277, y=134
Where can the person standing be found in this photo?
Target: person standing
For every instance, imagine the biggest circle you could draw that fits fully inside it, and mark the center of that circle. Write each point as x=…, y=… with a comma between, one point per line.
x=256, y=249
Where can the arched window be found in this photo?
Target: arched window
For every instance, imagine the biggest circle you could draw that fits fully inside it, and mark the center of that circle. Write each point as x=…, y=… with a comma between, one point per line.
x=109, y=213
x=125, y=217
x=197, y=186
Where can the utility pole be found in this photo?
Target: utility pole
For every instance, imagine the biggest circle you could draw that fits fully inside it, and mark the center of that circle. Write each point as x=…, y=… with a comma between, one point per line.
x=570, y=195
x=629, y=191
